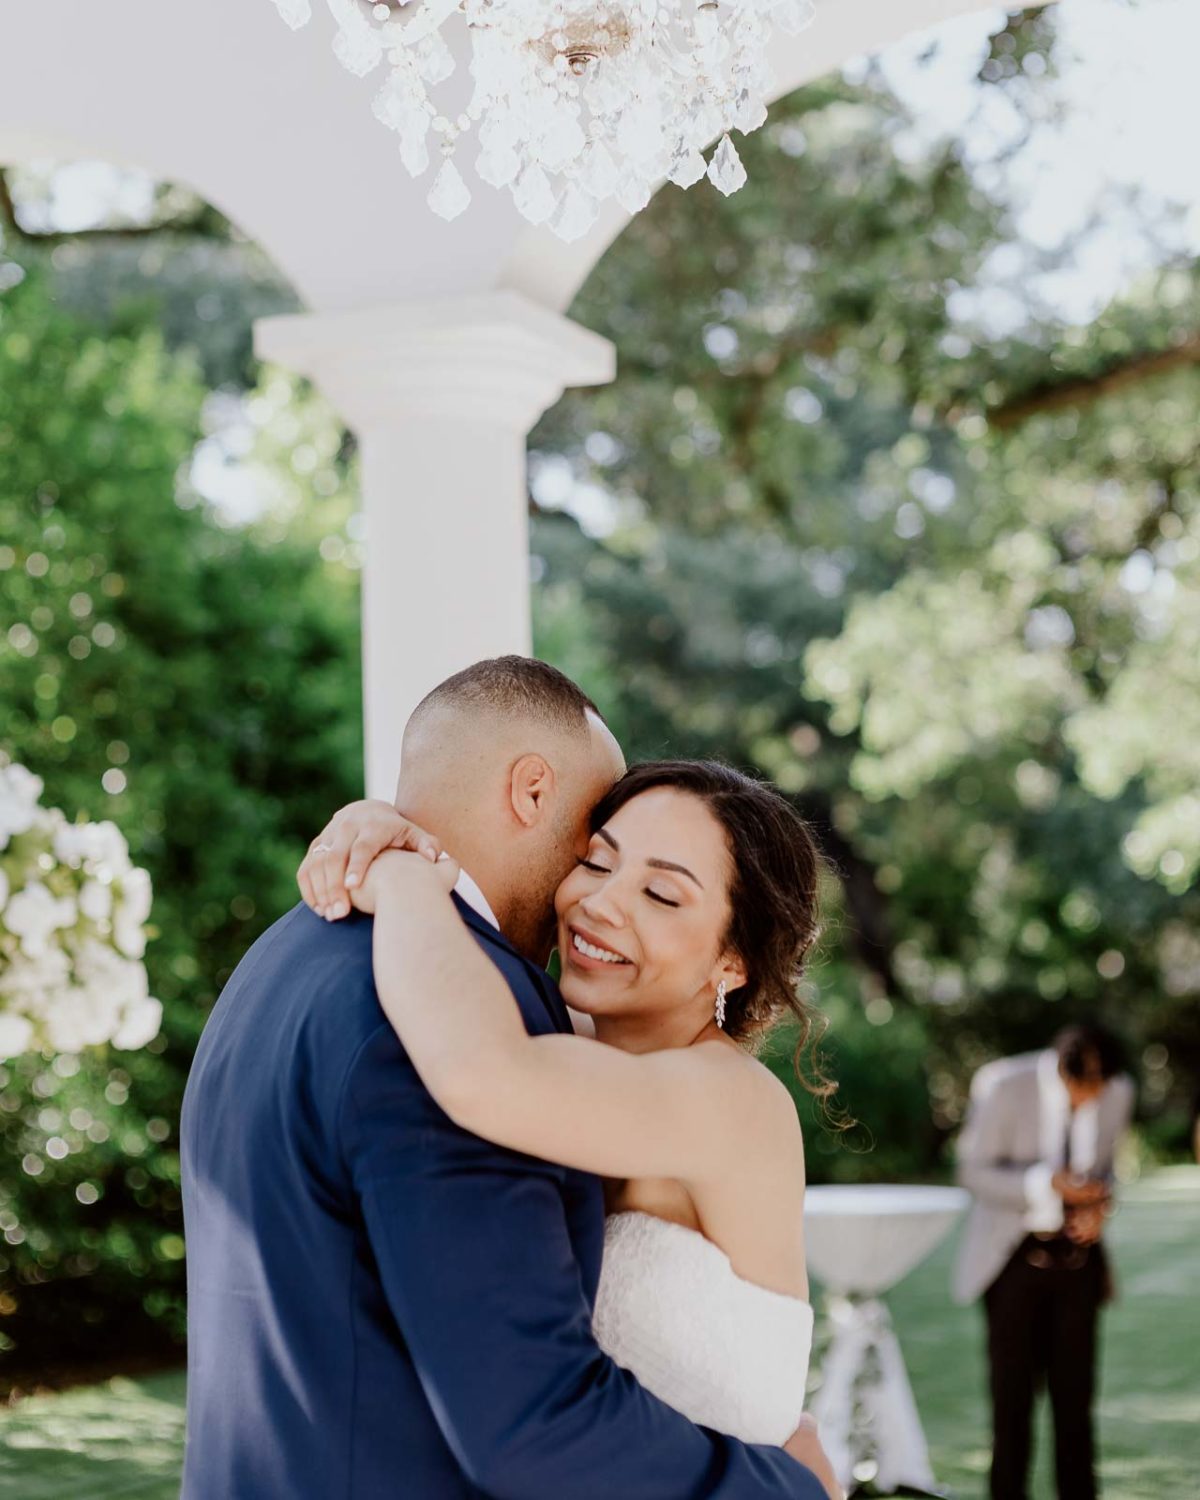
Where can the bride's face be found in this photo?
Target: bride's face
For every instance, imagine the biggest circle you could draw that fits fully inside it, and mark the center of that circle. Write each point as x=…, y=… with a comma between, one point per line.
x=642, y=917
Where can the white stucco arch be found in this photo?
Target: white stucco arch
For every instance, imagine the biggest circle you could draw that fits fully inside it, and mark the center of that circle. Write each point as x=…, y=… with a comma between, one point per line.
x=441, y=344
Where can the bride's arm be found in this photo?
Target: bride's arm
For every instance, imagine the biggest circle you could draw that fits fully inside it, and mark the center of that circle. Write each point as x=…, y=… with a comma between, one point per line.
x=566, y=1099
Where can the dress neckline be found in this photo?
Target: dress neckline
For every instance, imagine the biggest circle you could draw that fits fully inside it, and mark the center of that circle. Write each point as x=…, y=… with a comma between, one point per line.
x=715, y=1249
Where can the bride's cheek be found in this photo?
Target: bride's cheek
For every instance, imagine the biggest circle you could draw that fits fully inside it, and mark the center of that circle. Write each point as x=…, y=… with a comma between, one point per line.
x=570, y=891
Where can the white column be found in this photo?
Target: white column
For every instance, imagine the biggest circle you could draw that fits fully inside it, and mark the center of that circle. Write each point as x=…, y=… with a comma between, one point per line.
x=442, y=395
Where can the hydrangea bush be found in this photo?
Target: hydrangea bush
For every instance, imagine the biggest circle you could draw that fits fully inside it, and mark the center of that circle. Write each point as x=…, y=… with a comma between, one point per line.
x=73, y=913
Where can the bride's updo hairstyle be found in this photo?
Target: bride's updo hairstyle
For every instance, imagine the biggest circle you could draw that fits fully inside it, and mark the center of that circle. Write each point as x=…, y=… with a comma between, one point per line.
x=773, y=895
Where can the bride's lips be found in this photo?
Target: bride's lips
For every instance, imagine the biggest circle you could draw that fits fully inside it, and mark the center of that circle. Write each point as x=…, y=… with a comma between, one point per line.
x=579, y=960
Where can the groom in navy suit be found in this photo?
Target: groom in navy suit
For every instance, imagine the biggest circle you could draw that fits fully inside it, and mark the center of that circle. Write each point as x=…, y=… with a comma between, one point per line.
x=381, y=1305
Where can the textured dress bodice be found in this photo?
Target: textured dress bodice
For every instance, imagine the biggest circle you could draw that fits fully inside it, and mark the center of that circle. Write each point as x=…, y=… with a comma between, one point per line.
x=726, y=1353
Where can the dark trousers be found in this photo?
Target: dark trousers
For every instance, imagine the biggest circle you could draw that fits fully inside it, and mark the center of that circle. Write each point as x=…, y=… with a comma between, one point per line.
x=1041, y=1319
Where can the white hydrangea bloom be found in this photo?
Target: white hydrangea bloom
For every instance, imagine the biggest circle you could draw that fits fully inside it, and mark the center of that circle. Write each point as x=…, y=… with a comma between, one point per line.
x=129, y=935
x=34, y=913
x=70, y=842
x=82, y=1018
x=73, y=910
x=32, y=982
x=96, y=900
x=16, y=1035
x=142, y=1024
x=98, y=965
x=136, y=895
x=101, y=846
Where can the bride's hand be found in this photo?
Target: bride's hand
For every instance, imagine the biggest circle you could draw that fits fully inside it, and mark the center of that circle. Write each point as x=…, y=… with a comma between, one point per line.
x=805, y=1447
x=340, y=856
x=397, y=870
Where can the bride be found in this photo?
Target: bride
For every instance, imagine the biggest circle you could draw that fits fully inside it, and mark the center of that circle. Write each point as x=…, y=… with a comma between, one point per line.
x=682, y=935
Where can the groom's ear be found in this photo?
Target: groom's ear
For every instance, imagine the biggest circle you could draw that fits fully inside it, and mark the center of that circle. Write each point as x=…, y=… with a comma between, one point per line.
x=531, y=788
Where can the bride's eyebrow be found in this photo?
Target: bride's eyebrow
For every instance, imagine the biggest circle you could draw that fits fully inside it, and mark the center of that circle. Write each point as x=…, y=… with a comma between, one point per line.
x=657, y=864
x=665, y=864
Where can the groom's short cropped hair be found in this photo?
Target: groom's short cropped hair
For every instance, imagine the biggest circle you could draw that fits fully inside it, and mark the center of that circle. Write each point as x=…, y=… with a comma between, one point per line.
x=512, y=687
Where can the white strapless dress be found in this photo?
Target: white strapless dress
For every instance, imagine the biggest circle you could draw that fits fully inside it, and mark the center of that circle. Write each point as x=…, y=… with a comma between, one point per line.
x=726, y=1353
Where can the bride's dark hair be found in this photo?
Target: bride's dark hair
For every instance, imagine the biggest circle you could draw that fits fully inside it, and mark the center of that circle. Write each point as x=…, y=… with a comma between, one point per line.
x=773, y=896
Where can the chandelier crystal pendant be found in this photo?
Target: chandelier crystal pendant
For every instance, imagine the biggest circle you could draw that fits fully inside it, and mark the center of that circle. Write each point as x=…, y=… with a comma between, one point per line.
x=574, y=102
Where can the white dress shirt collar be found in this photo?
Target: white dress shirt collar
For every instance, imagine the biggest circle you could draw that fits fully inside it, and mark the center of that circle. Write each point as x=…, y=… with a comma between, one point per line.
x=467, y=889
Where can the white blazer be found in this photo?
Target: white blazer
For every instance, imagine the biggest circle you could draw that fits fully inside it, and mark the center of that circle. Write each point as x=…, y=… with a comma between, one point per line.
x=1011, y=1145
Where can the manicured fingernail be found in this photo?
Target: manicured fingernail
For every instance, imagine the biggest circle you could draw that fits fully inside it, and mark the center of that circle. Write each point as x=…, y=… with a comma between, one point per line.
x=320, y=910
x=430, y=855
x=340, y=909
x=351, y=879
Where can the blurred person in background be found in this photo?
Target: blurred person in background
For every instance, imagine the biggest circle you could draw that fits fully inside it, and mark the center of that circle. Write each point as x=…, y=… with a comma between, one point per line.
x=1036, y=1153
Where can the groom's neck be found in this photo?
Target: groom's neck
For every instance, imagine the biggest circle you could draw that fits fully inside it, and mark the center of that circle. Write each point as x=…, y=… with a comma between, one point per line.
x=462, y=831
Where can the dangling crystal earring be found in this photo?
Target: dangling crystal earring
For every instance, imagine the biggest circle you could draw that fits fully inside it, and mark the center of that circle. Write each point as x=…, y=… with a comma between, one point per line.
x=721, y=988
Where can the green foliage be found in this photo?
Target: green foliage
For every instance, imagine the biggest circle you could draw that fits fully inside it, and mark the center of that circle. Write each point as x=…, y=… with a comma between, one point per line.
x=771, y=343
x=878, y=1127
x=197, y=684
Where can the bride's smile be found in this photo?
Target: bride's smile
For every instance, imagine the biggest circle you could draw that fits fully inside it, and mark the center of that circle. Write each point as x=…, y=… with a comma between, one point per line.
x=586, y=952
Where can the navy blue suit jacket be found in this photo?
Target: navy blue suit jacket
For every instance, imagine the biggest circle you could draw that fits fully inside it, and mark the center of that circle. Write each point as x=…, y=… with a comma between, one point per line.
x=382, y=1305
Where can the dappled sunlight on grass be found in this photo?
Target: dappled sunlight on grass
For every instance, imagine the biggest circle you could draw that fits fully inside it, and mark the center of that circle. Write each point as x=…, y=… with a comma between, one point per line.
x=121, y=1440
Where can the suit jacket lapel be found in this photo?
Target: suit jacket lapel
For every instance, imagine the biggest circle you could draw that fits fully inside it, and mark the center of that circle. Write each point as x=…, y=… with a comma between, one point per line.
x=1113, y=1107
x=545, y=986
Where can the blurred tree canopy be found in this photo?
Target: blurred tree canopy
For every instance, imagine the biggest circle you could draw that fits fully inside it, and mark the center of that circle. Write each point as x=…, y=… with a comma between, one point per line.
x=938, y=581
x=941, y=582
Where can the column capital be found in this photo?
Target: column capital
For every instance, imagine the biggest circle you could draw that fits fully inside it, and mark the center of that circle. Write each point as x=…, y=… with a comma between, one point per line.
x=494, y=356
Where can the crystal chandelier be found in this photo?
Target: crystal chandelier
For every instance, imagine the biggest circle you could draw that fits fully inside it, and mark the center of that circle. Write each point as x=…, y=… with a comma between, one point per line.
x=573, y=101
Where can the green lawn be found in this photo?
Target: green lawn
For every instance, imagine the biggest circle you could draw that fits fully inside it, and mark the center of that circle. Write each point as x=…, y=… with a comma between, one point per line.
x=118, y=1441
x=122, y=1440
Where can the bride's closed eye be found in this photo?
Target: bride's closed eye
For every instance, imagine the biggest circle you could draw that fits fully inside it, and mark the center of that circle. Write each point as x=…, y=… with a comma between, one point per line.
x=662, y=900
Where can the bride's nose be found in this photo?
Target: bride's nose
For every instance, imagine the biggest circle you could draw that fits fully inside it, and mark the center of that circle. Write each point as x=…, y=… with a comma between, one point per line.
x=603, y=905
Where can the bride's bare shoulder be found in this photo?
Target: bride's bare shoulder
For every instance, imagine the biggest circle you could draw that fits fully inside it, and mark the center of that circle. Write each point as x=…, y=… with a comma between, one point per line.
x=756, y=1102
